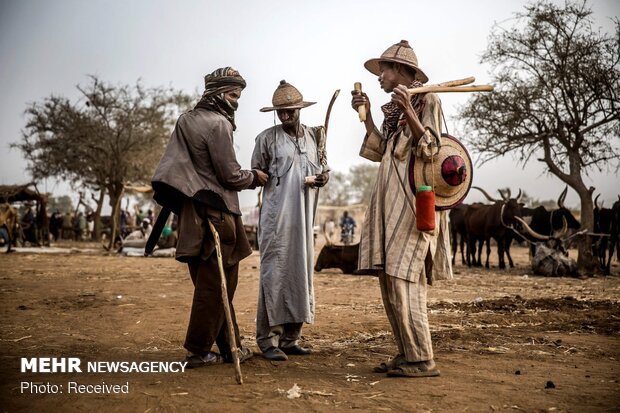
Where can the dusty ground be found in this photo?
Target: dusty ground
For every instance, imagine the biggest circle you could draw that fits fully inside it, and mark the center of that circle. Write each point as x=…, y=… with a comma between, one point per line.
x=504, y=341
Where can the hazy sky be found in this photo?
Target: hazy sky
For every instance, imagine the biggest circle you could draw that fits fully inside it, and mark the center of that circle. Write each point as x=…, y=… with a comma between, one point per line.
x=48, y=47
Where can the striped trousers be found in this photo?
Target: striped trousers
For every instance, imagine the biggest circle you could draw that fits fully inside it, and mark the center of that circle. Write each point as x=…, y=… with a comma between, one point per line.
x=405, y=305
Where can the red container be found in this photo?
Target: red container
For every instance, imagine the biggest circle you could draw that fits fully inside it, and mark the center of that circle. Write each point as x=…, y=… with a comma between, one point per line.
x=425, y=208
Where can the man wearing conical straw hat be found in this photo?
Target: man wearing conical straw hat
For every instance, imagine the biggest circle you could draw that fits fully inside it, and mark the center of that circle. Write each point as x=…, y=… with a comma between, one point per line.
x=405, y=258
x=293, y=156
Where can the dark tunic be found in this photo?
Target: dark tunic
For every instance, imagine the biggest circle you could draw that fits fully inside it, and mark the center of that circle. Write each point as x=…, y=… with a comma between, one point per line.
x=199, y=177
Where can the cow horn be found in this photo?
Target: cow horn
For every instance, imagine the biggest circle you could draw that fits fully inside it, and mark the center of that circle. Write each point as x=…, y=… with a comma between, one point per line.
x=519, y=195
x=562, y=197
x=501, y=215
x=562, y=233
x=531, y=231
x=485, y=193
x=596, y=202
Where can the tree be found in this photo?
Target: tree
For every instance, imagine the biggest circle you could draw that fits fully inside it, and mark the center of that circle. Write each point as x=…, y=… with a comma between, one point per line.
x=557, y=84
x=353, y=187
x=111, y=136
x=362, y=178
x=62, y=203
x=336, y=192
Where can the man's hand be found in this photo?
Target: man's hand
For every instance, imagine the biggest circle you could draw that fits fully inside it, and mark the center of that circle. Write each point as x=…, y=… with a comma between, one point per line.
x=321, y=180
x=359, y=99
x=262, y=177
x=401, y=97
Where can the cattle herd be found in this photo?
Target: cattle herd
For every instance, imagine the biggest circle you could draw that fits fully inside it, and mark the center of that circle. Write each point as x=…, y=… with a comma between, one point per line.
x=549, y=233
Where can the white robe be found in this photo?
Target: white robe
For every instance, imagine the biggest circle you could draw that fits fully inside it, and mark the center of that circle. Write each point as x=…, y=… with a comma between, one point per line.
x=285, y=230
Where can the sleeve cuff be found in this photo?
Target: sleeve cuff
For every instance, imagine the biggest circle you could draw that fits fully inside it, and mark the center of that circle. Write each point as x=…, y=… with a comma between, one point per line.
x=254, y=183
x=373, y=146
x=428, y=145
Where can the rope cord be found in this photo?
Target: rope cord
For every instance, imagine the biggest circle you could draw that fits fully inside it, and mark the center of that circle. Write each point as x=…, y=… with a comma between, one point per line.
x=275, y=148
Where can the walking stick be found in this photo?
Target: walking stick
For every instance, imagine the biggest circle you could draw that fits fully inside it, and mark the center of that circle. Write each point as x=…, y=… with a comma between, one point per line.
x=231, y=329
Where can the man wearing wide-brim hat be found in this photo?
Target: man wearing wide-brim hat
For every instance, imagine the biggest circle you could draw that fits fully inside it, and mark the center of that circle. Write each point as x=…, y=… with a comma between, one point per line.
x=405, y=258
x=293, y=156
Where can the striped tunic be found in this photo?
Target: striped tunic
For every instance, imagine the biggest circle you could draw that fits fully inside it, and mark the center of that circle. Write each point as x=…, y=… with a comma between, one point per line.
x=390, y=240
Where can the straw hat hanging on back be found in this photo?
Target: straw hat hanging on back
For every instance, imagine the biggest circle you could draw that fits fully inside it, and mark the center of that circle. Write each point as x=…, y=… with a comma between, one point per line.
x=287, y=96
x=450, y=173
x=401, y=53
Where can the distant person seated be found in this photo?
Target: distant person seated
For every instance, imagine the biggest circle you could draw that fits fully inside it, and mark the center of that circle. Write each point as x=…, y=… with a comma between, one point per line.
x=142, y=233
x=134, y=246
x=167, y=239
x=137, y=239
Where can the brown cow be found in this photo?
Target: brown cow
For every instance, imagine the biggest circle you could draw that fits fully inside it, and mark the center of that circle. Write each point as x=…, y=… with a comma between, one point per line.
x=494, y=221
x=338, y=256
x=458, y=229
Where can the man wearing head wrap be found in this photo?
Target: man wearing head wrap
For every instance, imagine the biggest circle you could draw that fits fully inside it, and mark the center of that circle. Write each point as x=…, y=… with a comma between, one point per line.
x=293, y=155
x=404, y=257
x=198, y=179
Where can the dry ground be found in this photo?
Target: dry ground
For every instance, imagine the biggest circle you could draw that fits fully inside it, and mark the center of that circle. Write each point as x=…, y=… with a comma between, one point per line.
x=504, y=341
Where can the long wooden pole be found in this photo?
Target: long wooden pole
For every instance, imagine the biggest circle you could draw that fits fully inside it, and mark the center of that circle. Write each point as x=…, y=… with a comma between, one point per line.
x=232, y=342
x=458, y=82
x=441, y=89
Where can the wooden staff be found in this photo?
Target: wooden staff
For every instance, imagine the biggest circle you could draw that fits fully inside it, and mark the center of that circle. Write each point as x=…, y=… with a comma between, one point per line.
x=452, y=86
x=323, y=149
x=232, y=342
x=361, y=109
x=329, y=108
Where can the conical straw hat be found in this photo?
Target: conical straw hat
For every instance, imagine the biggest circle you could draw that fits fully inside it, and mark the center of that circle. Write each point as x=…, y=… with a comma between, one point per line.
x=287, y=96
x=398, y=53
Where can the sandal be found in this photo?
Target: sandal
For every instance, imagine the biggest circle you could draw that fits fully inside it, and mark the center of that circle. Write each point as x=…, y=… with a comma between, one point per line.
x=412, y=370
x=391, y=364
x=195, y=360
x=244, y=354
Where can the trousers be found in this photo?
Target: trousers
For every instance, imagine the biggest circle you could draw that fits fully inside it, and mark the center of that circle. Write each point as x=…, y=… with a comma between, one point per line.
x=207, y=322
x=405, y=306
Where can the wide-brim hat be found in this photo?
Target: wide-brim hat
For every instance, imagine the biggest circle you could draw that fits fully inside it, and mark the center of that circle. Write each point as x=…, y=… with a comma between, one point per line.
x=450, y=173
x=287, y=96
x=398, y=53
